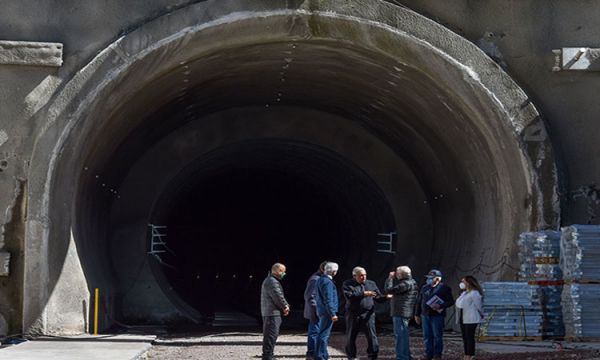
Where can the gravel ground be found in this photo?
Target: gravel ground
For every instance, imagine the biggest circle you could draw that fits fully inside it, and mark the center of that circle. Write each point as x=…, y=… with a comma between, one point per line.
x=247, y=345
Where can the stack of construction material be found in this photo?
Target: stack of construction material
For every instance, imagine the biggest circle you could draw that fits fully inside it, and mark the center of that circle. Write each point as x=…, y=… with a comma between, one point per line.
x=518, y=309
x=580, y=247
x=539, y=254
x=580, y=310
x=580, y=263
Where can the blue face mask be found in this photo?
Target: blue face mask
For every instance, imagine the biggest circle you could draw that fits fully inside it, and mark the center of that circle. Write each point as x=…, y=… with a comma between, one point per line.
x=282, y=275
x=429, y=281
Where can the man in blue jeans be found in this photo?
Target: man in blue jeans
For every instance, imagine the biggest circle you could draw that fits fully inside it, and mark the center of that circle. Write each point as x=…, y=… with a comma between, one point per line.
x=432, y=302
x=327, y=307
x=310, y=311
x=404, y=289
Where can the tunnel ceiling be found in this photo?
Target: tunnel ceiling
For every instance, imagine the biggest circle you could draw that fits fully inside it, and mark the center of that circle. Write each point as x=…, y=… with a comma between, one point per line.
x=400, y=104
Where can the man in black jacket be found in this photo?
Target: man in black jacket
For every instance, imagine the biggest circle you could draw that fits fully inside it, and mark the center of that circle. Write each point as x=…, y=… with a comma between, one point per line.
x=434, y=298
x=360, y=311
x=272, y=305
x=402, y=308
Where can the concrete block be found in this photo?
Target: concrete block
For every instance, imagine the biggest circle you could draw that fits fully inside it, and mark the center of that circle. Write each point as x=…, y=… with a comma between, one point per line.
x=30, y=53
x=4, y=263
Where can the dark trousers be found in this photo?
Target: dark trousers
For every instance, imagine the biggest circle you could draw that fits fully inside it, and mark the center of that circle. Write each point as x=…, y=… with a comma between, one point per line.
x=468, y=336
x=355, y=323
x=271, y=326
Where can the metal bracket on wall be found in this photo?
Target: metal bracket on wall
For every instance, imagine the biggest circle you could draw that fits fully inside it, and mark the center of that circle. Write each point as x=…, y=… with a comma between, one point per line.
x=158, y=244
x=576, y=59
x=31, y=53
x=387, y=246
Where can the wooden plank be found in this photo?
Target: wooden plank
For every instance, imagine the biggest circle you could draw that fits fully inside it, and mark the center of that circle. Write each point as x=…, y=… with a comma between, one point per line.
x=546, y=282
x=582, y=281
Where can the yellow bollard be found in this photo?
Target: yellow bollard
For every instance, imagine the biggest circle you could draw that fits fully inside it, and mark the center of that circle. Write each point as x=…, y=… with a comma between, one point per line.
x=96, y=312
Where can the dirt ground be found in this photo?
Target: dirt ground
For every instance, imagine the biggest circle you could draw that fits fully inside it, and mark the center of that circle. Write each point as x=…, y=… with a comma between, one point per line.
x=240, y=345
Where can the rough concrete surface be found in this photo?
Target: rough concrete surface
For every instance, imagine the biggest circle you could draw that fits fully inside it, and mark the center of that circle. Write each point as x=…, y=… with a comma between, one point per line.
x=103, y=347
x=396, y=79
x=457, y=97
x=30, y=53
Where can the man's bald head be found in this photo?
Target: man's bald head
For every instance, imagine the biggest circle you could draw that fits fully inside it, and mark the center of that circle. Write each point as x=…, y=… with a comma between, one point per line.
x=277, y=270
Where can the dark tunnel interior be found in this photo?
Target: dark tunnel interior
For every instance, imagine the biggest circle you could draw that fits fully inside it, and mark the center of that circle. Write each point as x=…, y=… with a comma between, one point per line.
x=240, y=208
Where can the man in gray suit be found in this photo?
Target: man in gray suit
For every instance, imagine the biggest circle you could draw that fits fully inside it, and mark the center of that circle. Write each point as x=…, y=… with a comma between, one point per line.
x=272, y=305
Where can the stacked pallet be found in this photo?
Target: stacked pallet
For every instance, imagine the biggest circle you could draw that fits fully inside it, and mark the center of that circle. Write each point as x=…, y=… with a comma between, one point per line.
x=580, y=246
x=539, y=255
x=580, y=310
x=580, y=263
x=518, y=309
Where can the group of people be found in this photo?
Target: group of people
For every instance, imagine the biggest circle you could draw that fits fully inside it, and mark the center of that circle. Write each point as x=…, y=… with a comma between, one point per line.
x=427, y=306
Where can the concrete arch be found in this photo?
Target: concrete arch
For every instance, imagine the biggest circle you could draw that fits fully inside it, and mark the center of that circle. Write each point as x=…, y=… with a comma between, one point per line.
x=460, y=129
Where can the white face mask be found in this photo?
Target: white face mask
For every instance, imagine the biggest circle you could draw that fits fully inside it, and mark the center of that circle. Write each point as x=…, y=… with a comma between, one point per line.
x=462, y=286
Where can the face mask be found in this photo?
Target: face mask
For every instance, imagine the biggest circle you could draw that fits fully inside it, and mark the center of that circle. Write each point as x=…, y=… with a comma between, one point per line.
x=429, y=281
x=282, y=275
x=462, y=286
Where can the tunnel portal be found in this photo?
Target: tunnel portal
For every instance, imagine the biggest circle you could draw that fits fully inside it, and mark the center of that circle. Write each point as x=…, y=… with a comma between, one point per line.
x=295, y=136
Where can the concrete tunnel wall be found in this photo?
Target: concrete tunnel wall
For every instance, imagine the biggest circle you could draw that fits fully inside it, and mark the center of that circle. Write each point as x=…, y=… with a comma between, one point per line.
x=440, y=131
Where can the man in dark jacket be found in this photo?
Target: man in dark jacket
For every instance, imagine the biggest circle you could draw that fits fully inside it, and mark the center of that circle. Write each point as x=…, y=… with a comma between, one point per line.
x=432, y=302
x=404, y=289
x=327, y=307
x=310, y=311
x=272, y=305
x=360, y=295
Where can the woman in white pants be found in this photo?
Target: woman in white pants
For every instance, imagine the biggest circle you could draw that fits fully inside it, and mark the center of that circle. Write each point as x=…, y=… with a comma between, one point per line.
x=470, y=312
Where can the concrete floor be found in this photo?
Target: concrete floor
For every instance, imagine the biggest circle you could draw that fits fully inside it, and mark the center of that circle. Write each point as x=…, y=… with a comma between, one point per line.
x=103, y=347
x=242, y=345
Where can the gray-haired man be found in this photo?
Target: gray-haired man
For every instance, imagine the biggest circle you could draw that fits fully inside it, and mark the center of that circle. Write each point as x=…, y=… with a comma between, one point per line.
x=327, y=307
x=404, y=289
x=360, y=311
x=272, y=305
